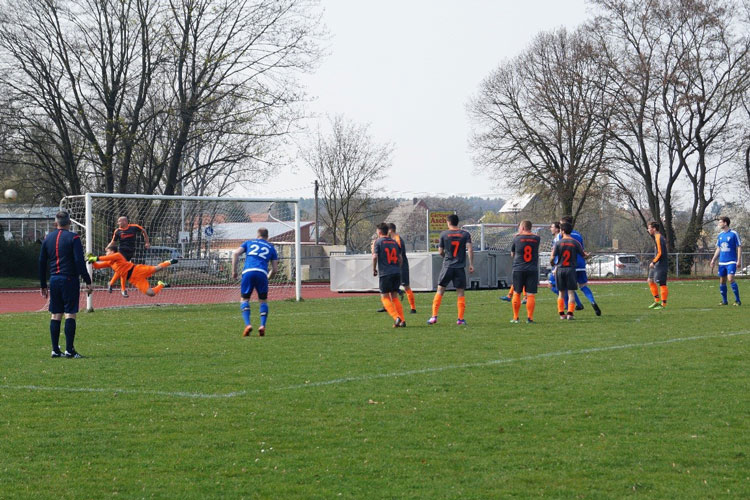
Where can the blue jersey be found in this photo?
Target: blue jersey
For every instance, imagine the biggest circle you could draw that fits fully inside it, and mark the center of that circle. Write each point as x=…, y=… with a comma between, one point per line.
x=258, y=253
x=62, y=255
x=581, y=260
x=727, y=242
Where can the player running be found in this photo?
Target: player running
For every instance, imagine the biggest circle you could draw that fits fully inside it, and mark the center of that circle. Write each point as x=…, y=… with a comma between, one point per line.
x=729, y=253
x=455, y=244
x=525, y=253
x=258, y=253
x=386, y=262
x=658, y=268
x=136, y=274
x=404, y=266
x=565, y=252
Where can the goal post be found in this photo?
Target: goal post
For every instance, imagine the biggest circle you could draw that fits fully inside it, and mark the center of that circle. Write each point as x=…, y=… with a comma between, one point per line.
x=200, y=231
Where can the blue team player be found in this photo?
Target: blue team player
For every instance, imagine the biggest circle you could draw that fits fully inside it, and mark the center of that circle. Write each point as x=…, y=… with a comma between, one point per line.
x=581, y=275
x=729, y=253
x=62, y=256
x=556, y=235
x=258, y=253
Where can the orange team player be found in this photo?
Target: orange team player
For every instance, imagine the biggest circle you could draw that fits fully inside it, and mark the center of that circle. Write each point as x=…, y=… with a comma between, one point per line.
x=137, y=274
x=125, y=236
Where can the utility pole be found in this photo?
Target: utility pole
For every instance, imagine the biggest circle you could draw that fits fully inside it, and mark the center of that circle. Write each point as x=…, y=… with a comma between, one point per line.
x=317, y=229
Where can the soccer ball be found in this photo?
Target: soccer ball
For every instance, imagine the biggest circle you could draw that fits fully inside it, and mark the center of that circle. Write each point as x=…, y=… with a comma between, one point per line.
x=10, y=194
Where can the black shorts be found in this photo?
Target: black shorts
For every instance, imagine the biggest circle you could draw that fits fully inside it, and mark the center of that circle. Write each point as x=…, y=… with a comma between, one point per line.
x=525, y=279
x=565, y=277
x=658, y=275
x=405, y=274
x=457, y=275
x=64, y=292
x=390, y=283
x=127, y=253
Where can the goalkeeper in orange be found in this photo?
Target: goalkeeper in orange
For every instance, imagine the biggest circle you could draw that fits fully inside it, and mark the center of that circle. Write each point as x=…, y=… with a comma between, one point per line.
x=136, y=274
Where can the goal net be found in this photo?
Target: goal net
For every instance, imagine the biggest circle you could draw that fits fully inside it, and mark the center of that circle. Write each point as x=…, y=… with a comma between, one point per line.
x=201, y=232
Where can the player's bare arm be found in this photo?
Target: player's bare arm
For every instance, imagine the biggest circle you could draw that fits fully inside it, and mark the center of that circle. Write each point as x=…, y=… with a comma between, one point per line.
x=470, y=251
x=235, y=255
x=716, y=256
x=374, y=264
x=274, y=269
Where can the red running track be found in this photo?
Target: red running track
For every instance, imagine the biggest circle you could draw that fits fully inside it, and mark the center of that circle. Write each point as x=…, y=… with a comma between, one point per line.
x=30, y=300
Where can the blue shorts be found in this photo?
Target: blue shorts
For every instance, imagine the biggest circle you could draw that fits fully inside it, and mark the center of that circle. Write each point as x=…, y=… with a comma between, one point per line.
x=725, y=269
x=581, y=277
x=64, y=292
x=254, y=280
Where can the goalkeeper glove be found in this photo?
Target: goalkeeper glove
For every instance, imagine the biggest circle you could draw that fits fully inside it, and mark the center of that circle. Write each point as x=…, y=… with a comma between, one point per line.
x=90, y=257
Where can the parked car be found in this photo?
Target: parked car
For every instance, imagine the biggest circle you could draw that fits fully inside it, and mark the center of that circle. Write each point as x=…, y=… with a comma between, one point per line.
x=613, y=265
x=156, y=254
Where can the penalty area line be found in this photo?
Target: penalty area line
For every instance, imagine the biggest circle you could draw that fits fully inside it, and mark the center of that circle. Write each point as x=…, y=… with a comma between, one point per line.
x=376, y=376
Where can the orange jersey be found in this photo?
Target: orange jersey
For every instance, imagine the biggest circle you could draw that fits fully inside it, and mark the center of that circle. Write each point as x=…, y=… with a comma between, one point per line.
x=119, y=264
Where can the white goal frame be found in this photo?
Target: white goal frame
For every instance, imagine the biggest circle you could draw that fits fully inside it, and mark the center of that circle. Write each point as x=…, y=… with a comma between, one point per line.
x=88, y=223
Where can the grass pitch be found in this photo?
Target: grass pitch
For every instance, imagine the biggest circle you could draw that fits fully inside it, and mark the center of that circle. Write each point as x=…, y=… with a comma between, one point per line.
x=171, y=402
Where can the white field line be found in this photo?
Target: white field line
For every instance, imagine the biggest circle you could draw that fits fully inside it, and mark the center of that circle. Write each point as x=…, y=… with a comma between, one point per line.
x=364, y=378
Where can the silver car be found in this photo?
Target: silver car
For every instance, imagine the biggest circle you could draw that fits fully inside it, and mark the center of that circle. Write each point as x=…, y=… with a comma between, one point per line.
x=612, y=265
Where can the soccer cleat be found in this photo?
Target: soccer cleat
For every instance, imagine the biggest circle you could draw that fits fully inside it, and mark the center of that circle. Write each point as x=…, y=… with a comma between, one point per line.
x=261, y=331
x=596, y=309
x=72, y=355
x=514, y=321
x=530, y=321
x=247, y=330
x=381, y=310
x=57, y=353
x=505, y=298
x=432, y=320
x=460, y=321
x=125, y=293
x=397, y=323
x=162, y=284
x=723, y=303
x=738, y=303
x=523, y=301
x=173, y=261
x=562, y=316
x=413, y=311
x=658, y=307
x=580, y=307
x=570, y=317
x=654, y=305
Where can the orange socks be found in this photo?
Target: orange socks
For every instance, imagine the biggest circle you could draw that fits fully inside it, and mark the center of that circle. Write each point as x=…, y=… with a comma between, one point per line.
x=436, y=304
x=410, y=297
x=560, y=305
x=664, y=294
x=390, y=307
x=399, y=309
x=461, y=307
x=530, y=305
x=516, y=303
x=654, y=290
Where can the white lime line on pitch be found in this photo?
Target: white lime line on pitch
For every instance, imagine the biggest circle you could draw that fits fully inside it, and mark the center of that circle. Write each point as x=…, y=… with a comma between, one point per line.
x=496, y=362
x=363, y=378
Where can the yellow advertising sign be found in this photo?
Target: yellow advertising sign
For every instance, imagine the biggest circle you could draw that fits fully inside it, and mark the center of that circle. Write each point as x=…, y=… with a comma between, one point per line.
x=437, y=222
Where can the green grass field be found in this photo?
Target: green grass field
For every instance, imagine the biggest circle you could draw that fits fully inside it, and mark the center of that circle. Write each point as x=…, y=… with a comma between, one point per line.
x=171, y=402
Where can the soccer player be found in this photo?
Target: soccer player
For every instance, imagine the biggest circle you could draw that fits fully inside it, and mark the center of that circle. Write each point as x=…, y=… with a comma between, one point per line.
x=455, y=244
x=62, y=254
x=386, y=261
x=126, y=234
x=658, y=268
x=136, y=274
x=404, y=266
x=258, y=253
x=565, y=252
x=525, y=253
x=556, y=235
x=729, y=253
x=581, y=275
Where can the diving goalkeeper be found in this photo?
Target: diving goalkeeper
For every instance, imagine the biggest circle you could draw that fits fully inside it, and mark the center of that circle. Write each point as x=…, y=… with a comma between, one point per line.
x=136, y=274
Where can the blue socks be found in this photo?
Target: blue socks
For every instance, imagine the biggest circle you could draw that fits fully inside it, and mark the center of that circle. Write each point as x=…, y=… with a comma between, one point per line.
x=723, y=291
x=735, y=289
x=263, y=313
x=588, y=293
x=245, y=308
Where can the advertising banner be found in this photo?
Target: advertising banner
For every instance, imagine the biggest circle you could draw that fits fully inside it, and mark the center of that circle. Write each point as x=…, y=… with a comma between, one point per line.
x=437, y=222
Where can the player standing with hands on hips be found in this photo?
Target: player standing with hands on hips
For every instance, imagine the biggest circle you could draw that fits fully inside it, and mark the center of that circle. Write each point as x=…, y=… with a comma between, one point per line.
x=258, y=253
x=62, y=255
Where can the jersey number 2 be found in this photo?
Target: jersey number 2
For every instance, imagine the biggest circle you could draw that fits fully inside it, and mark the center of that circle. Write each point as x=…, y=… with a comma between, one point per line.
x=257, y=250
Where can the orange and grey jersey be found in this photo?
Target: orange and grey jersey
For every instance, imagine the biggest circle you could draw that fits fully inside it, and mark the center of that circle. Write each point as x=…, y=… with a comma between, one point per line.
x=525, y=250
x=119, y=264
x=661, y=256
x=402, y=246
x=387, y=252
x=453, y=242
x=566, y=252
x=127, y=237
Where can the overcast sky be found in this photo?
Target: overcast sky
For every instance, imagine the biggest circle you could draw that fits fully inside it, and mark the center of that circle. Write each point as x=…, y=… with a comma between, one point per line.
x=407, y=68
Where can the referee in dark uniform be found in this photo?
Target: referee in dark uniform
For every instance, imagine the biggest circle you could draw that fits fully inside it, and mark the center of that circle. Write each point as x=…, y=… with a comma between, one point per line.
x=62, y=255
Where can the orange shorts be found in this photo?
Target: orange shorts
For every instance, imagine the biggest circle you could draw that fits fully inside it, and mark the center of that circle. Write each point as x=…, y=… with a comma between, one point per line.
x=139, y=278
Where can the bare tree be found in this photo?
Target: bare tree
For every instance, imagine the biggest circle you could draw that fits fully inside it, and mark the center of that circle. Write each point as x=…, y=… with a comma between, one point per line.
x=348, y=165
x=542, y=120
